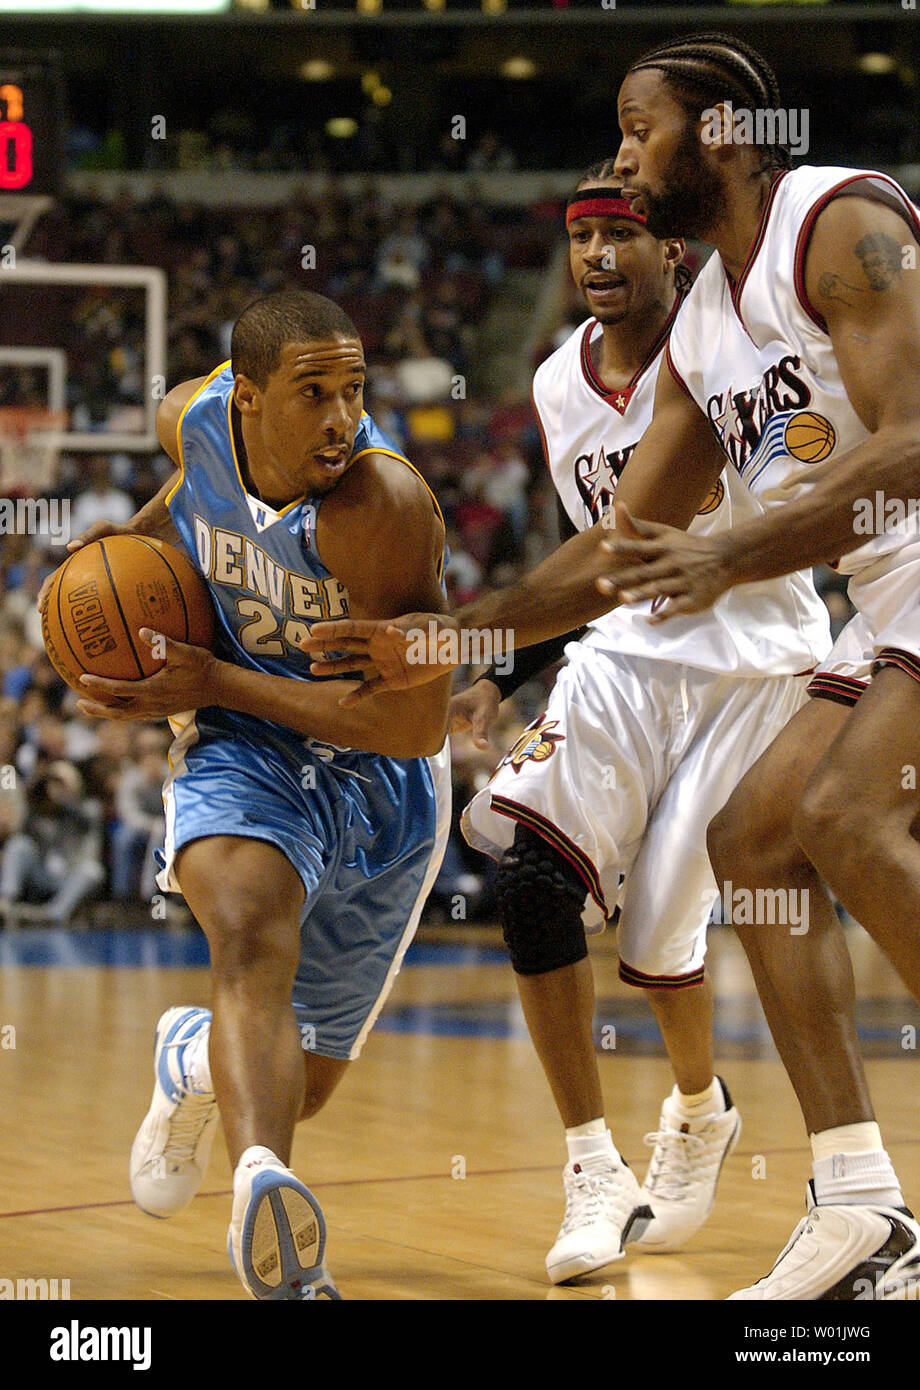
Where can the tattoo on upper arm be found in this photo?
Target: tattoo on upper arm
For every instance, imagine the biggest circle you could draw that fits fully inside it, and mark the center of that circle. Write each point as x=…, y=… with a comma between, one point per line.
x=880, y=257
x=834, y=287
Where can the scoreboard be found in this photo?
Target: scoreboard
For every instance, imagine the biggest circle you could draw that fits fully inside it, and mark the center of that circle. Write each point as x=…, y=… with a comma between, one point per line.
x=31, y=124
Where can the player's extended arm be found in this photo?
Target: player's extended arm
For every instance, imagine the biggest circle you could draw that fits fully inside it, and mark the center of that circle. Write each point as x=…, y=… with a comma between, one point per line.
x=673, y=468
x=856, y=279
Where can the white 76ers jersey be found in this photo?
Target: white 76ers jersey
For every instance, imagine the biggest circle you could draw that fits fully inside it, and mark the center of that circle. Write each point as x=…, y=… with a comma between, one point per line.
x=779, y=627
x=757, y=359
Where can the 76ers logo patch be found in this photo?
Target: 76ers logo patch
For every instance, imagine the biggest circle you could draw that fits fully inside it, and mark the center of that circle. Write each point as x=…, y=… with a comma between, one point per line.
x=536, y=744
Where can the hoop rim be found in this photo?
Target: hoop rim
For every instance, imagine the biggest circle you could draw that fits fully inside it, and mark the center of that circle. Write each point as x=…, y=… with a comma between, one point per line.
x=24, y=421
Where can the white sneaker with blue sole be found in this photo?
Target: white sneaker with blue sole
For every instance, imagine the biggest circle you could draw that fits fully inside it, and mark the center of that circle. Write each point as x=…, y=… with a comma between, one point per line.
x=277, y=1236
x=170, y=1152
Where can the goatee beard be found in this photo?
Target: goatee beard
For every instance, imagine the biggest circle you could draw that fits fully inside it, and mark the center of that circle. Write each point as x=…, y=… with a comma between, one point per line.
x=695, y=195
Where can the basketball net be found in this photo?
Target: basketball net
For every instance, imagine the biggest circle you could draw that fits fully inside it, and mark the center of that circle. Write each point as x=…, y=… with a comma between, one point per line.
x=29, y=448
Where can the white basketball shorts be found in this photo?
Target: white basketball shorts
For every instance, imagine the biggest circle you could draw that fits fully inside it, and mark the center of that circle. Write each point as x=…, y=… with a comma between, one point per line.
x=622, y=775
x=885, y=630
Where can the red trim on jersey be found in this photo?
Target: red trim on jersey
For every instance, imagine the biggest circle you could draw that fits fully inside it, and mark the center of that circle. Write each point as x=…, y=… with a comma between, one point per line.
x=676, y=374
x=736, y=287
x=843, y=690
x=897, y=656
x=631, y=976
x=536, y=411
x=613, y=398
x=560, y=842
x=808, y=226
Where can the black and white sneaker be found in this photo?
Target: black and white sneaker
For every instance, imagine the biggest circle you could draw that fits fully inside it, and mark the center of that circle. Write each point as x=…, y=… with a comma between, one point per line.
x=839, y=1253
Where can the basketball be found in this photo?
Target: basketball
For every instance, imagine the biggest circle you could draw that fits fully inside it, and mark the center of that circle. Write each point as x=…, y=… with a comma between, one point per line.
x=809, y=437
x=106, y=592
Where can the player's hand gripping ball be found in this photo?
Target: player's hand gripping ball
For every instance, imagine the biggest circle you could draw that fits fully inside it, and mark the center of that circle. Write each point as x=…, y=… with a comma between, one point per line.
x=102, y=596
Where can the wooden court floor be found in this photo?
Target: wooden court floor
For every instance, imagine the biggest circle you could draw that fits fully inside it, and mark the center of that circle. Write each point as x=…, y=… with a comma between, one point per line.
x=438, y=1161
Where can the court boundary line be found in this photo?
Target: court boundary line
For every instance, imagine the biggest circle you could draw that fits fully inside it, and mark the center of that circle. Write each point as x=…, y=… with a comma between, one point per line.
x=396, y=1177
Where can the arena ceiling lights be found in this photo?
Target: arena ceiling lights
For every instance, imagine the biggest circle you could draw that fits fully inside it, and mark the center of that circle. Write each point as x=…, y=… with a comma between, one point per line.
x=80, y=7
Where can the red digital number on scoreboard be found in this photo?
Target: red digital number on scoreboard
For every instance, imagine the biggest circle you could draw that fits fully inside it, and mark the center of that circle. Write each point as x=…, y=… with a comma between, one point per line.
x=15, y=154
x=31, y=124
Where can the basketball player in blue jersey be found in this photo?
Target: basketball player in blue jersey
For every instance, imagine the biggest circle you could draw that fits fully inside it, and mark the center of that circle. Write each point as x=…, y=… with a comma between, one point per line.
x=304, y=838
x=799, y=349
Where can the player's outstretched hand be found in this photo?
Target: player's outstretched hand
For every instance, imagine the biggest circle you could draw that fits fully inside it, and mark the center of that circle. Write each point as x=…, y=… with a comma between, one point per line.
x=474, y=712
x=97, y=532
x=183, y=682
x=394, y=654
x=663, y=563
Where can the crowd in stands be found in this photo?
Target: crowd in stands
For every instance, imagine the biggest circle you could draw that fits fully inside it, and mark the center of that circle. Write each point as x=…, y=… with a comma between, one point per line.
x=80, y=801
x=234, y=140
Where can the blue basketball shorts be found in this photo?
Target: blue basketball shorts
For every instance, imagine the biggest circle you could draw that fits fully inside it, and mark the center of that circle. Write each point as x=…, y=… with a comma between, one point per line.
x=365, y=833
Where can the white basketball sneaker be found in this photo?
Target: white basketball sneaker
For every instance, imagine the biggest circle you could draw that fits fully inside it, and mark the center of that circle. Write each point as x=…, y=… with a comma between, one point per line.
x=839, y=1253
x=277, y=1236
x=171, y=1149
x=683, y=1172
x=604, y=1209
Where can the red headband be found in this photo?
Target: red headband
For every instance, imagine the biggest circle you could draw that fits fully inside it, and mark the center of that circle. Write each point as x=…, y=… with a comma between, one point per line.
x=600, y=202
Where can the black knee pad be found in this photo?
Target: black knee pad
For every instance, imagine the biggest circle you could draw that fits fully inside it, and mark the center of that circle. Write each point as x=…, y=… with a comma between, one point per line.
x=540, y=898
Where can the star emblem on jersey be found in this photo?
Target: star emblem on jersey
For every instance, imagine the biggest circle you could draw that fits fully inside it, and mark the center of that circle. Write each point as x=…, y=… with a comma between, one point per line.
x=597, y=481
x=729, y=423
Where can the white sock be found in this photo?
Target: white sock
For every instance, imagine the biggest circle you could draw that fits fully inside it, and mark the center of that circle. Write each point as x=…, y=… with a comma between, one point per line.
x=196, y=1063
x=591, y=1140
x=852, y=1168
x=252, y=1157
x=694, y=1107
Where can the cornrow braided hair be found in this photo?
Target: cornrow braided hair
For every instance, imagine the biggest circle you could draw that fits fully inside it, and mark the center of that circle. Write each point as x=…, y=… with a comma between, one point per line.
x=706, y=69
x=606, y=169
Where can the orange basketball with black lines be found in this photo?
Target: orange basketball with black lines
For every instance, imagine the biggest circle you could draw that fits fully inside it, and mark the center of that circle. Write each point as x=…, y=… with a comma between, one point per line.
x=809, y=437
x=106, y=592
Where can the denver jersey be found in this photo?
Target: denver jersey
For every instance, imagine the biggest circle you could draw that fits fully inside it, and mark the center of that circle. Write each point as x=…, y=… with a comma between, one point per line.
x=757, y=358
x=777, y=627
x=262, y=566
x=364, y=832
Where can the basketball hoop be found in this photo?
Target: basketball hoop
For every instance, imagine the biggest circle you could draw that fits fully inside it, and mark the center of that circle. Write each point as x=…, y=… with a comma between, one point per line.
x=29, y=445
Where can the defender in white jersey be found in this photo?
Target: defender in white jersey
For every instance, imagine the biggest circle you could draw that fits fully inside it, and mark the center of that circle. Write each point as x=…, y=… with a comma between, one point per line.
x=645, y=735
x=800, y=343
x=831, y=794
